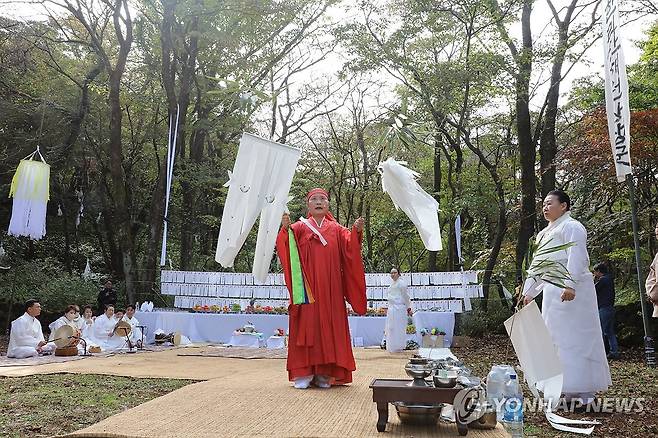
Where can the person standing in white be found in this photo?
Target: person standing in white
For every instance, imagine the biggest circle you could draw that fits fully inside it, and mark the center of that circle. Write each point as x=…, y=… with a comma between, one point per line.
x=571, y=313
x=399, y=306
x=26, y=337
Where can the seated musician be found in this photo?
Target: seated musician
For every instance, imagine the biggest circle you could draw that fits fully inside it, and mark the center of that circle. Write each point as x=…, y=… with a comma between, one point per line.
x=118, y=315
x=136, y=332
x=103, y=331
x=88, y=326
x=67, y=319
x=26, y=337
x=87, y=319
x=78, y=320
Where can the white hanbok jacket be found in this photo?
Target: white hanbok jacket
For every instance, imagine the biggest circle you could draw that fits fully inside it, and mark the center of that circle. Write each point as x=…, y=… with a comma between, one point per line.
x=25, y=335
x=135, y=332
x=574, y=325
x=396, y=316
x=88, y=332
x=103, y=330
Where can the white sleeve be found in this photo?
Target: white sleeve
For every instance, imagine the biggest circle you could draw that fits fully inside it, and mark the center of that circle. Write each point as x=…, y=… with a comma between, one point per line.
x=405, y=294
x=532, y=288
x=577, y=257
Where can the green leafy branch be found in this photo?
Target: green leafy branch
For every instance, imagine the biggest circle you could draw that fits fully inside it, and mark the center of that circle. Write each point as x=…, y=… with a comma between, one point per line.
x=538, y=267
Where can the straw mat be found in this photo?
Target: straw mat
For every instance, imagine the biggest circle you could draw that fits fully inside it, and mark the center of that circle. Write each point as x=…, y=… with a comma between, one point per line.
x=252, y=398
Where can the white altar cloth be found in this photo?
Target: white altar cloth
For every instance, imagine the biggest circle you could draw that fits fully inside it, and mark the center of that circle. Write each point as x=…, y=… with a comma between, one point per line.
x=218, y=328
x=275, y=342
x=248, y=340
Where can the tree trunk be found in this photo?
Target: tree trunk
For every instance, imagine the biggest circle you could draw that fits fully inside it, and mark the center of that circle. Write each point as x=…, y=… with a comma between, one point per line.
x=527, y=151
x=548, y=143
x=122, y=201
x=120, y=191
x=188, y=208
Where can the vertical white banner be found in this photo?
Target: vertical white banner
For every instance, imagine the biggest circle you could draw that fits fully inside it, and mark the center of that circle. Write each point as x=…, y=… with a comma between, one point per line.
x=458, y=237
x=616, y=91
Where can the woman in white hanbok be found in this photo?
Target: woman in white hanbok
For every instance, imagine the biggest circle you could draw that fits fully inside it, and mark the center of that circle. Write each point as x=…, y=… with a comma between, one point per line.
x=71, y=317
x=88, y=326
x=570, y=313
x=103, y=331
x=399, y=306
x=67, y=319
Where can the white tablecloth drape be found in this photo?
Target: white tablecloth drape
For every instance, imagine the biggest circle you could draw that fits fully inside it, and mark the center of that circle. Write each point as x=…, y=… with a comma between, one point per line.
x=249, y=340
x=219, y=327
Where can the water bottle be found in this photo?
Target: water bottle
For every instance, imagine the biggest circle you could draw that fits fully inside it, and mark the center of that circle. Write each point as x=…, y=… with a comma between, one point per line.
x=513, y=407
x=496, y=381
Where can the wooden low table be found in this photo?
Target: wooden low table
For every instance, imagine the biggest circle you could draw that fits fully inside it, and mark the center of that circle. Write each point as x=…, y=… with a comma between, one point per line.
x=385, y=391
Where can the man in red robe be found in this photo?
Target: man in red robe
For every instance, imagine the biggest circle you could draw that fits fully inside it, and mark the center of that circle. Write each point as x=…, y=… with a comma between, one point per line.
x=319, y=345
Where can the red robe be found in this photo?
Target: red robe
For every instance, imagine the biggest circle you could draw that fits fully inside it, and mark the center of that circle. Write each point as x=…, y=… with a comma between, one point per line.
x=319, y=335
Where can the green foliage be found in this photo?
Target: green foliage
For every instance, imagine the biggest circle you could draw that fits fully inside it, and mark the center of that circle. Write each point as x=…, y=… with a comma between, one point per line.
x=46, y=281
x=483, y=320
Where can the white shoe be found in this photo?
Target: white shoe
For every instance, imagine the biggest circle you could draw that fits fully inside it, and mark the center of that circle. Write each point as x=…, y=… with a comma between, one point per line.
x=322, y=381
x=303, y=382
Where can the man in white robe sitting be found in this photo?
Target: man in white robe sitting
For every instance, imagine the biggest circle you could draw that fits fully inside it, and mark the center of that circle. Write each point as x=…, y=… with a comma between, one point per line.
x=136, y=330
x=103, y=329
x=26, y=337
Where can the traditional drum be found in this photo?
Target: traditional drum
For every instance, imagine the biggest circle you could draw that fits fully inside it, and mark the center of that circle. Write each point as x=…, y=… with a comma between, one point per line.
x=66, y=339
x=172, y=338
x=123, y=329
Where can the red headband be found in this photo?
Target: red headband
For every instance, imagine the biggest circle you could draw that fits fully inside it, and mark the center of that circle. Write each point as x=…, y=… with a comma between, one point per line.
x=315, y=192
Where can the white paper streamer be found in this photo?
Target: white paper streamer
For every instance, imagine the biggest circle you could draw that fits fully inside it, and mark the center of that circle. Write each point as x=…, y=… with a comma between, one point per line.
x=400, y=183
x=540, y=363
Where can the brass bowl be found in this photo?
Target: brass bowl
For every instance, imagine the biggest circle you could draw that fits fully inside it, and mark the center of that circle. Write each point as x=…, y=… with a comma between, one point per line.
x=418, y=413
x=414, y=360
x=418, y=373
x=444, y=382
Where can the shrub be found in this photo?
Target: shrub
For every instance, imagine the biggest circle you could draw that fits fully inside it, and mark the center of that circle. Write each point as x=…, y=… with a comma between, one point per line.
x=46, y=281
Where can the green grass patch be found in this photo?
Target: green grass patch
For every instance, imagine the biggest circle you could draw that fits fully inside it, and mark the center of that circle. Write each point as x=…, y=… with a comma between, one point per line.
x=47, y=405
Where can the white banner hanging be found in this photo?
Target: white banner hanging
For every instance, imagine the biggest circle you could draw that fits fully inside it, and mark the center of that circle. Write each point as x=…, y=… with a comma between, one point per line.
x=171, y=155
x=616, y=91
x=259, y=185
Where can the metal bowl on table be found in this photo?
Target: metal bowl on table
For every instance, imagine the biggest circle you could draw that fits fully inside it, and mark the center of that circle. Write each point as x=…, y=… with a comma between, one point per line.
x=444, y=382
x=417, y=360
x=418, y=413
x=445, y=379
x=418, y=373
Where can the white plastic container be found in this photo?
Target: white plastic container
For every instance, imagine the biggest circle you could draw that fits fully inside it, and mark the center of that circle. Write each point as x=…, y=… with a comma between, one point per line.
x=496, y=381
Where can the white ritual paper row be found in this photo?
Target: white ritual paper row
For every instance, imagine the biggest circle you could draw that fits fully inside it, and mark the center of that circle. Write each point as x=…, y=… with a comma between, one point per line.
x=429, y=292
x=224, y=291
x=218, y=278
x=372, y=279
x=454, y=306
x=439, y=278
